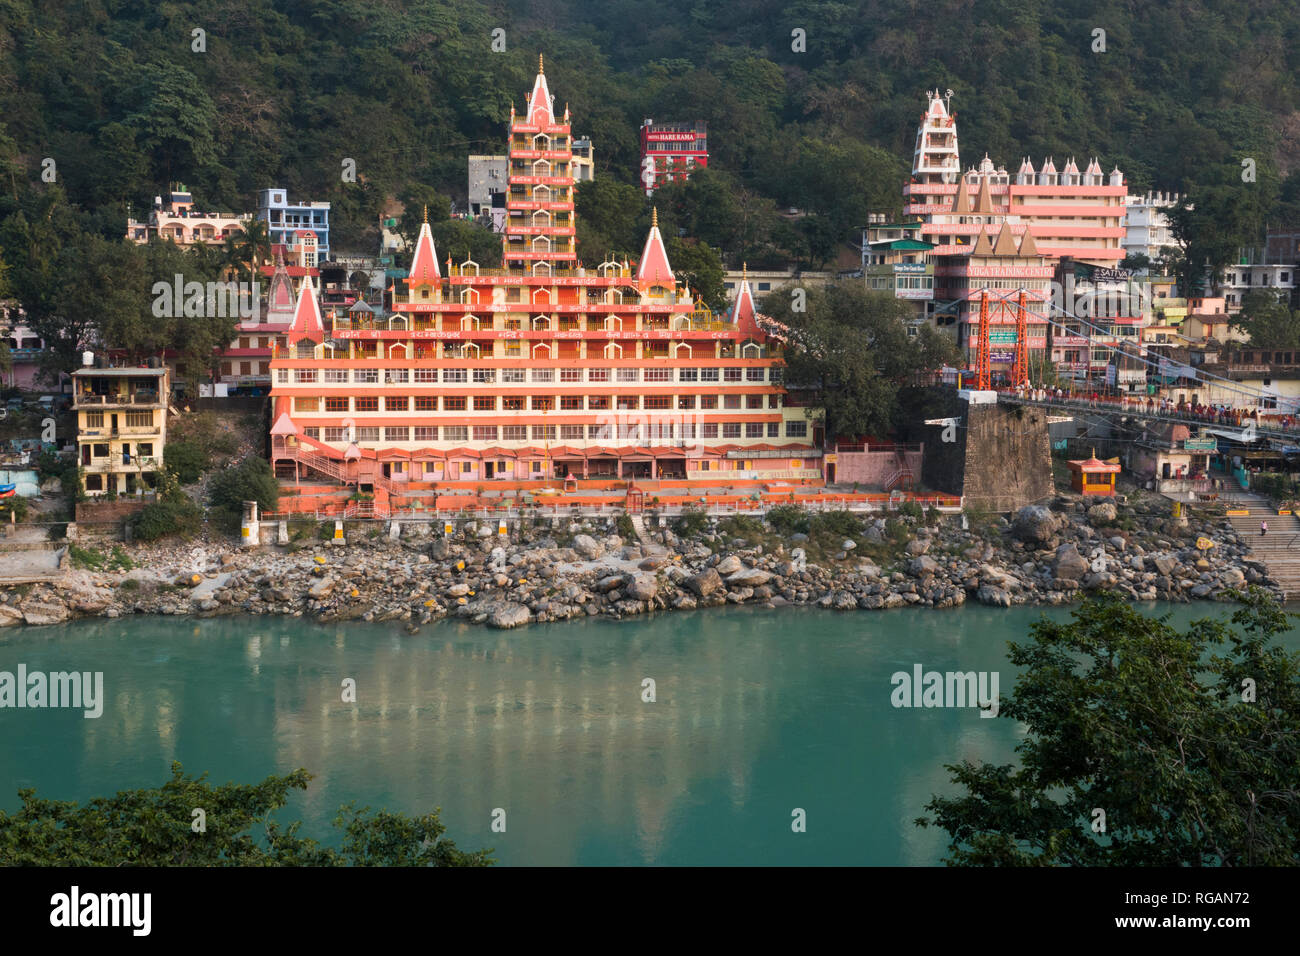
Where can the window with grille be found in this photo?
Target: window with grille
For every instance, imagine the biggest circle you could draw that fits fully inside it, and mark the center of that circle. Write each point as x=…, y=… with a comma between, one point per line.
x=753, y=429
x=731, y=401
x=336, y=376
x=485, y=433
x=753, y=401
x=368, y=403
x=708, y=375
x=312, y=432
x=598, y=375
x=543, y=403
x=304, y=375
x=658, y=401
x=307, y=404
x=512, y=375
x=368, y=433
x=731, y=429
x=629, y=374
x=454, y=375
x=426, y=403
x=454, y=403
x=430, y=433
x=397, y=376
x=366, y=376
x=708, y=401
x=455, y=433
x=397, y=433
x=485, y=403
x=335, y=404
x=336, y=434
x=773, y=429
x=485, y=375
x=514, y=433
x=543, y=375
x=688, y=375
x=426, y=375
x=570, y=375
x=571, y=403
x=731, y=374
x=796, y=429
x=512, y=403
x=754, y=374
x=570, y=432
x=658, y=375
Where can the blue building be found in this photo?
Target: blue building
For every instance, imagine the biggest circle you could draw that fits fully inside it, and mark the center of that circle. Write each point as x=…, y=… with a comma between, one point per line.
x=284, y=219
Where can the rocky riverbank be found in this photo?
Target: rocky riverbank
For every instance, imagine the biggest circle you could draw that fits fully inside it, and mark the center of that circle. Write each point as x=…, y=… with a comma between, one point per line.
x=555, y=571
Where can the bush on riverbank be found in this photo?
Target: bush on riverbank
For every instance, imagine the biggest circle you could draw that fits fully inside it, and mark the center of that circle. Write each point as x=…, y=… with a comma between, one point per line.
x=154, y=827
x=159, y=519
x=251, y=480
x=1204, y=776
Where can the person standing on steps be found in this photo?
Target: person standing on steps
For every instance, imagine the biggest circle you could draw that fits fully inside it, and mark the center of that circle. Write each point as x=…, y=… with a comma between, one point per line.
x=1263, y=528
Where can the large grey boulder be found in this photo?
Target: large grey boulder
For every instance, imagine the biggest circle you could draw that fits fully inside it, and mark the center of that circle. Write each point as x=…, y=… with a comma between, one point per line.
x=587, y=546
x=748, y=578
x=1102, y=514
x=729, y=565
x=993, y=596
x=508, y=615
x=1035, y=524
x=923, y=566
x=705, y=583
x=1070, y=564
x=642, y=587
x=38, y=612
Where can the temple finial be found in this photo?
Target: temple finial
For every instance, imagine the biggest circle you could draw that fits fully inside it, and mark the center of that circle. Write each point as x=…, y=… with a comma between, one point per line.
x=654, y=217
x=426, y=214
x=539, y=64
x=744, y=271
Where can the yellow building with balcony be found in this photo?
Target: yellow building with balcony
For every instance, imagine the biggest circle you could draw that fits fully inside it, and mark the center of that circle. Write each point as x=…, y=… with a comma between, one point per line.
x=121, y=427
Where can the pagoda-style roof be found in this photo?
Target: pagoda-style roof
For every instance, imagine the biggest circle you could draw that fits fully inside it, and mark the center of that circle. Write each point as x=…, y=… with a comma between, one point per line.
x=654, y=266
x=307, y=322
x=539, y=101
x=424, y=264
x=1093, y=466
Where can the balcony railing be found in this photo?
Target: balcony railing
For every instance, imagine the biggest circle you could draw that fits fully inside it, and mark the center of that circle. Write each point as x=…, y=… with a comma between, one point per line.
x=132, y=398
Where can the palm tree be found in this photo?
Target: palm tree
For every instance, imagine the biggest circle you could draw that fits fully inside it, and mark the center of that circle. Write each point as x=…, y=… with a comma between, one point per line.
x=247, y=250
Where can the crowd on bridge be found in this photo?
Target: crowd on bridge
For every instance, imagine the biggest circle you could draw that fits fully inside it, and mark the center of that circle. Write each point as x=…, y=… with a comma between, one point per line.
x=1160, y=407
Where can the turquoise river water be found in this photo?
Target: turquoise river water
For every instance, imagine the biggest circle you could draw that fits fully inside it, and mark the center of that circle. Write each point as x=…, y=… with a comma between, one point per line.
x=757, y=713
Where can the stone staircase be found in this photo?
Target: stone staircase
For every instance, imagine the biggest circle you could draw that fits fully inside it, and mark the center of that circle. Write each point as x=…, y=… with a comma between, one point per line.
x=1279, y=550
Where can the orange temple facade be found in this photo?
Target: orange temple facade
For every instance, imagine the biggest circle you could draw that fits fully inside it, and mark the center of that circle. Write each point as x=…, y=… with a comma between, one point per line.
x=542, y=369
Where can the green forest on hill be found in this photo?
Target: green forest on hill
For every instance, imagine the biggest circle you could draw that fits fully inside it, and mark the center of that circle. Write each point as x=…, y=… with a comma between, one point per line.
x=114, y=92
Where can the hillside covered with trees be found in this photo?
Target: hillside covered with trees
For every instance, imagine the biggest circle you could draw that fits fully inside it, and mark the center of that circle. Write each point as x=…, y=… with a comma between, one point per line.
x=811, y=104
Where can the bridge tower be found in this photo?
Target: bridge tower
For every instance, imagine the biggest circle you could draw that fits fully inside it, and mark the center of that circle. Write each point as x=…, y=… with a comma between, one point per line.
x=1020, y=364
x=983, y=371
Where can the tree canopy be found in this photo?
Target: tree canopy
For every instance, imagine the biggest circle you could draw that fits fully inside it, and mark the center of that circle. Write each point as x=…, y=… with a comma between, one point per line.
x=853, y=348
x=1269, y=321
x=158, y=827
x=1146, y=746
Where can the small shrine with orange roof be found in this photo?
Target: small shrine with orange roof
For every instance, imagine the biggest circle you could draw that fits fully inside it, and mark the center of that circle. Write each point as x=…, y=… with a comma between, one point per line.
x=1090, y=476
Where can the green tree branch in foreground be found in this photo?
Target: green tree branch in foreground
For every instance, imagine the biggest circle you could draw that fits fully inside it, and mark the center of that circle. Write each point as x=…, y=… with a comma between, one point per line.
x=153, y=827
x=1188, y=741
